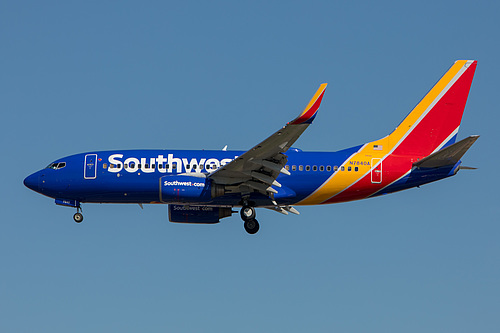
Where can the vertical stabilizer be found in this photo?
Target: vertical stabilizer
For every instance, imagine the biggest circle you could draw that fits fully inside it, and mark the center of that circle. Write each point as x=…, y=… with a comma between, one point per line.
x=434, y=122
x=432, y=125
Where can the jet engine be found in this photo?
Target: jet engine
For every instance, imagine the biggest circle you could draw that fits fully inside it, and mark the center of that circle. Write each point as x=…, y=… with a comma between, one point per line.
x=187, y=188
x=197, y=214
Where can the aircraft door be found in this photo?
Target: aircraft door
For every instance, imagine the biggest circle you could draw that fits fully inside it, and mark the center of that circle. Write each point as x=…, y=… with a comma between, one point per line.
x=376, y=172
x=90, y=167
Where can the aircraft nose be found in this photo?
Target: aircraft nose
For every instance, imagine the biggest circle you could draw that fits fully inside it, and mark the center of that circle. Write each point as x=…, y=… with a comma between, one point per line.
x=31, y=182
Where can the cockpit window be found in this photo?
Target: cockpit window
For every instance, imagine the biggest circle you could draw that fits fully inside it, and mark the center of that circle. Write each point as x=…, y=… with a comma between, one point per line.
x=56, y=166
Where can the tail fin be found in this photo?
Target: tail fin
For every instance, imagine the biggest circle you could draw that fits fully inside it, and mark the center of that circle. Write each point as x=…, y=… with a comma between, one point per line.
x=434, y=122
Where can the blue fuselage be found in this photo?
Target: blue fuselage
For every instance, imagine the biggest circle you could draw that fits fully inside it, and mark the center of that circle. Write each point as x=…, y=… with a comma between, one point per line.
x=136, y=176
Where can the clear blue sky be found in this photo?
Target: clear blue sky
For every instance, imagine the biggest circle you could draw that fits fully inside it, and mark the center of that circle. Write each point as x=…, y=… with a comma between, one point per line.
x=77, y=77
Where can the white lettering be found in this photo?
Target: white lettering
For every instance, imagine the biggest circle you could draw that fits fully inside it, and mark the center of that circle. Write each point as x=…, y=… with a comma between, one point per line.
x=148, y=168
x=189, y=165
x=178, y=183
x=201, y=164
x=161, y=161
x=132, y=164
x=173, y=164
x=212, y=164
x=195, y=208
x=115, y=164
x=226, y=161
x=171, y=161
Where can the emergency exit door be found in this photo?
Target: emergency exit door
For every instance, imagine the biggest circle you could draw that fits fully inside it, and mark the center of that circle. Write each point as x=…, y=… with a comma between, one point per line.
x=376, y=171
x=90, y=167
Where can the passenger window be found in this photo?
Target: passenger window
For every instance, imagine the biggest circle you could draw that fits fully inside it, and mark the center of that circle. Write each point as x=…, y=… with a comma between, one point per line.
x=294, y=167
x=342, y=168
x=321, y=168
x=328, y=168
x=348, y=168
x=355, y=168
x=153, y=166
x=105, y=166
x=308, y=167
x=146, y=166
x=160, y=166
x=301, y=168
x=287, y=167
x=139, y=165
x=335, y=168
x=315, y=168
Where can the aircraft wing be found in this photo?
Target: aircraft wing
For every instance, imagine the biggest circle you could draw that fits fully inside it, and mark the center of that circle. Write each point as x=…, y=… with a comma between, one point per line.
x=447, y=156
x=258, y=168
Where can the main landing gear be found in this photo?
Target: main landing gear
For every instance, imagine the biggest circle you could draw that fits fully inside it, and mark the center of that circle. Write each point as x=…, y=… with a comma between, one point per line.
x=248, y=216
x=78, y=217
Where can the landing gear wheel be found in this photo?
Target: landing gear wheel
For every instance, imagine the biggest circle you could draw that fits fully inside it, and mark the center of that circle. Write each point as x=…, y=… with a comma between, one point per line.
x=247, y=213
x=78, y=217
x=251, y=226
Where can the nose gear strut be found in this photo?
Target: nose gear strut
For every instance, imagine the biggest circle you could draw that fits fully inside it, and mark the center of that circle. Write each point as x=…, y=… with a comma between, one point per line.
x=78, y=217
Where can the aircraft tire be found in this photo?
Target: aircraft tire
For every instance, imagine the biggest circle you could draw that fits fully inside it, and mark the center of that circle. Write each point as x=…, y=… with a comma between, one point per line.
x=251, y=226
x=247, y=213
x=78, y=217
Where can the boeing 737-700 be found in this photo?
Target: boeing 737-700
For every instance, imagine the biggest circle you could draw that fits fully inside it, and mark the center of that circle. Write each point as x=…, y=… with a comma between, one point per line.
x=203, y=186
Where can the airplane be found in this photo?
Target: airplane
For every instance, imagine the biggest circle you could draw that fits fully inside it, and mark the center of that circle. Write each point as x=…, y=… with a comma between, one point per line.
x=203, y=186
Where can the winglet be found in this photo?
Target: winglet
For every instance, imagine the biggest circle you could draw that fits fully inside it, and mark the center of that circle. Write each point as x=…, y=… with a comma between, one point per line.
x=307, y=116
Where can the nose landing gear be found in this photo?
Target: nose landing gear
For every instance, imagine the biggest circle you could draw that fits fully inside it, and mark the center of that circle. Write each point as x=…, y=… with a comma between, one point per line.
x=78, y=217
x=247, y=214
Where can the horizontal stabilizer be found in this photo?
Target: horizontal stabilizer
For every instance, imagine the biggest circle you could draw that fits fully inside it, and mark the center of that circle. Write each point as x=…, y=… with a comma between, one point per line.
x=466, y=168
x=447, y=156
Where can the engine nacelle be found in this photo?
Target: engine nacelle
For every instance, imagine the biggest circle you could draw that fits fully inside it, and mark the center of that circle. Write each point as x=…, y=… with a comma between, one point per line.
x=197, y=214
x=186, y=188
